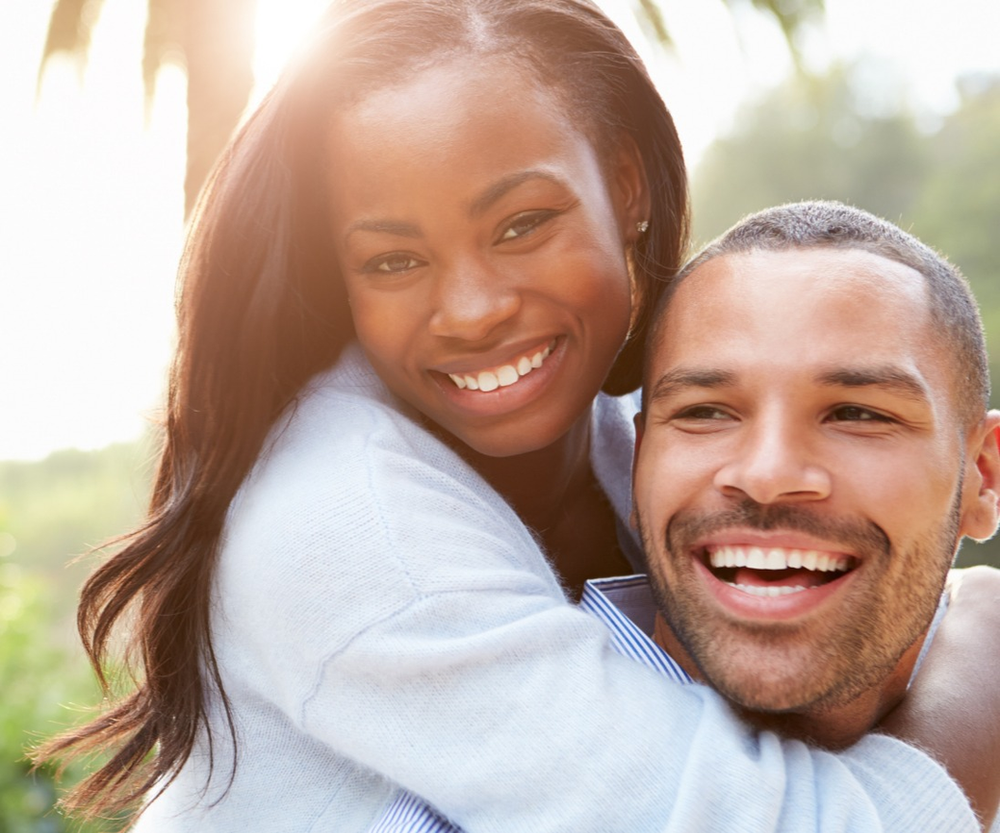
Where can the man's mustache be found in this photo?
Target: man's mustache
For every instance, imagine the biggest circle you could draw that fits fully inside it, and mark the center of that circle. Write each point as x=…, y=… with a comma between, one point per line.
x=853, y=533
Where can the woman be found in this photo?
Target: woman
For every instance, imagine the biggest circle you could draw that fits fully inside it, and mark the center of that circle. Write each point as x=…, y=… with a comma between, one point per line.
x=387, y=456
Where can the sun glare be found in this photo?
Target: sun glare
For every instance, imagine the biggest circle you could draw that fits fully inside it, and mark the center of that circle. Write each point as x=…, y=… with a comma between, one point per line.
x=91, y=218
x=91, y=208
x=282, y=26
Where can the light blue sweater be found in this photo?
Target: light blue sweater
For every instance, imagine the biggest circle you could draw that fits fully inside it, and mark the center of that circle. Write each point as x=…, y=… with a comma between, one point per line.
x=382, y=618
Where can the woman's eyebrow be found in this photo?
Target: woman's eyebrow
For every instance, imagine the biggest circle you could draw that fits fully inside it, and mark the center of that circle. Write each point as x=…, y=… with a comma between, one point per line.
x=493, y=193
x=503, y=186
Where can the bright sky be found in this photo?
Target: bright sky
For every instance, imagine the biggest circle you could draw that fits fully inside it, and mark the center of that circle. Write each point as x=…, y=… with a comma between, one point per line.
x=91, y=202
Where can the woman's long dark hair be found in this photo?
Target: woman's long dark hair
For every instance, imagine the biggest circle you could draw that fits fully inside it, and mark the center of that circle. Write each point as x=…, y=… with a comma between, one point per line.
x=261, y=308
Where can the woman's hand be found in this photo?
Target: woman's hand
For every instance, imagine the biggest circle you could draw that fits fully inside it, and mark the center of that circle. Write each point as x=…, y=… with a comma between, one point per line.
x=952, y=711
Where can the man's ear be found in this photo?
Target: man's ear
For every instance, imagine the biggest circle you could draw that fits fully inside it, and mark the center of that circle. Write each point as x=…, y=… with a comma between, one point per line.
x=639, y=422
x=981, y=493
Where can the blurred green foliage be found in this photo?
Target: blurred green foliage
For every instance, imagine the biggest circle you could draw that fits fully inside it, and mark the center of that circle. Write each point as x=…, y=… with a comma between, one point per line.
x=50, y=511
x=39, y=677
x=849, y=135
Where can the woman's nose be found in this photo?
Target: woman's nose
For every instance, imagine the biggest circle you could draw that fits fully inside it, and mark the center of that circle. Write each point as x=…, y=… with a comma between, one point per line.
x=472, y=298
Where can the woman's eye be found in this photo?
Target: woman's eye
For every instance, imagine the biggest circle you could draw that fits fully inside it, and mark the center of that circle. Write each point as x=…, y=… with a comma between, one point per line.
x=524, y=224
x=855, y=413
x=392, y=263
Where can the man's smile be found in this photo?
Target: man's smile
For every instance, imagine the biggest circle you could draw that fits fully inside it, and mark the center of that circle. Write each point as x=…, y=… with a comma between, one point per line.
x=775, y=571
x=769, y=576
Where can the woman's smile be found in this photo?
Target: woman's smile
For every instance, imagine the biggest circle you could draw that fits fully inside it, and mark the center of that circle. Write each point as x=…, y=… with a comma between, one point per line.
x=504, y=375
x=503, y=389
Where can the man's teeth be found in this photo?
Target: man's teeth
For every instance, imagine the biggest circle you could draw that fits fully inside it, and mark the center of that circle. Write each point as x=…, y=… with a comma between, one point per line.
x=502, y=377
x=760, y=558
x=768, y=589
x=776, y=558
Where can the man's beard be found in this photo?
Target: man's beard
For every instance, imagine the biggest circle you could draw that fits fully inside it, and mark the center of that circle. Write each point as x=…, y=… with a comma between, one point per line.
x=857, y=655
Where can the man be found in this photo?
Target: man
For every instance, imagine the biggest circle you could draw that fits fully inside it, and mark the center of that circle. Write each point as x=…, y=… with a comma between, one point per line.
x=813, y=445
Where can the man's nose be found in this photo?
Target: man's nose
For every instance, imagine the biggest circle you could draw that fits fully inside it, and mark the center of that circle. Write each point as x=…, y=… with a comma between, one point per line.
x=471, y=299
x=775, y=462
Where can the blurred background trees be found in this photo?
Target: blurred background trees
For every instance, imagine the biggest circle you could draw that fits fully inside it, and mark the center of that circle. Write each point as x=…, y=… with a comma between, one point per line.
x=213, y=41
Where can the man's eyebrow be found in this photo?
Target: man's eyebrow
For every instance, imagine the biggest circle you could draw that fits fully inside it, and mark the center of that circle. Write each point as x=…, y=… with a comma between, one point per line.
x=680, y=378
x=505, y=185
x=887, y=377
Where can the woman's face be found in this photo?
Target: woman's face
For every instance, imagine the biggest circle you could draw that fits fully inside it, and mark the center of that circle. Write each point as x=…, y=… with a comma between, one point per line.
x=482, y=244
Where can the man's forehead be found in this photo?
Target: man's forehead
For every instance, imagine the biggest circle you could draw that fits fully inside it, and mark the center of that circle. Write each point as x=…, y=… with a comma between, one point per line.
x=817, y=308
x=814, y=287
x=828, y=268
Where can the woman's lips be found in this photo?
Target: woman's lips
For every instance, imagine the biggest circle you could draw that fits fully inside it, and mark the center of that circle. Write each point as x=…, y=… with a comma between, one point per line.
x=497, y=400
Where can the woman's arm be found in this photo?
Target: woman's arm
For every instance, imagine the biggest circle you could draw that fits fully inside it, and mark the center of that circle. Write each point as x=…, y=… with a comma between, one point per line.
x=401, y=616
x=952, y=711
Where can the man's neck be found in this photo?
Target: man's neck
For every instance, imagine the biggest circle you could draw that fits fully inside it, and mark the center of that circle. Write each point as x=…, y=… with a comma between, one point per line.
x=832, y=725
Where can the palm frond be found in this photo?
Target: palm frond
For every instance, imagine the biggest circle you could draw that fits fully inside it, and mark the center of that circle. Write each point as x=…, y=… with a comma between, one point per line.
x=791, y=16
x=651, y=15
x=70, y=26
x=162, y=41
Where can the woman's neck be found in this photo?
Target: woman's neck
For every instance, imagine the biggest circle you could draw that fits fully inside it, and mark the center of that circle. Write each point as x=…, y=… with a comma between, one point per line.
x=540, y=483
x=555, y=493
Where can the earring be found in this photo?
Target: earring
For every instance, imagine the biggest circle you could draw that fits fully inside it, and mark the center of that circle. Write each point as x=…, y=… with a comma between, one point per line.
x=642, y=226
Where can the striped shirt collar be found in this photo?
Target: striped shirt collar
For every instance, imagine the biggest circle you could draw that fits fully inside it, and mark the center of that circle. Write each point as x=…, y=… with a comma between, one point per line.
x=626, y=606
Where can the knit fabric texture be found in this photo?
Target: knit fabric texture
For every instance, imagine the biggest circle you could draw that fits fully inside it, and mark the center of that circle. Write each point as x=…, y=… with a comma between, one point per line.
x=383, y=620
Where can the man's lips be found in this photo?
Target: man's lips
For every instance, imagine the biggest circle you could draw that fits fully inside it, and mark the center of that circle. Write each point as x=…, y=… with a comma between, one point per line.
x=773, y=574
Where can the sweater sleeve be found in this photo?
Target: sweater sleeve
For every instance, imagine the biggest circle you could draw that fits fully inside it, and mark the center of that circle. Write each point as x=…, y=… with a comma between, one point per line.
x=397, y=611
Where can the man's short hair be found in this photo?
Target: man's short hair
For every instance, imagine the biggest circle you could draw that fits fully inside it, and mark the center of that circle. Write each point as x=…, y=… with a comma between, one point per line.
x=823, y=224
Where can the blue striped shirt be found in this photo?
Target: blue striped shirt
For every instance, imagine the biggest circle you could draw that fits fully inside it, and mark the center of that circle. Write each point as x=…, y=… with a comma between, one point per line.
x=626, y=606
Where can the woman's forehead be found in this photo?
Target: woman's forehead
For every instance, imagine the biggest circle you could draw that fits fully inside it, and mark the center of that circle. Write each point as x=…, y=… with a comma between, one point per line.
x=489, y=119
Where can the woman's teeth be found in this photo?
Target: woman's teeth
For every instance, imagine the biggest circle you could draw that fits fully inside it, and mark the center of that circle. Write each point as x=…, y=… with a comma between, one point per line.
x=503, y=376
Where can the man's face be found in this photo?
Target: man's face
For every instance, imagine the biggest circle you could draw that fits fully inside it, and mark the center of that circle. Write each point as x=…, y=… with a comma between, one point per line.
x=799, y=481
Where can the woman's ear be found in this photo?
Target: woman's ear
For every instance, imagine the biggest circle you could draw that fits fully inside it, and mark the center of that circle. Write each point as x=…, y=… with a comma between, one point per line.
x=630, y=188
x=981, y=493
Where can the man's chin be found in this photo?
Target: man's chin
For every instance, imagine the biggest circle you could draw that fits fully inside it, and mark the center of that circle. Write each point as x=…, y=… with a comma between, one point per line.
x=761, y=695
x=767, y=679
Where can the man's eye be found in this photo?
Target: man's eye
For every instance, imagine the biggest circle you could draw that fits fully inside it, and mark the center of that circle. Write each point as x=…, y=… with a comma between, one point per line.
x=392, y=263
x=855, y=413
x=705, y=413
x=524, y=224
